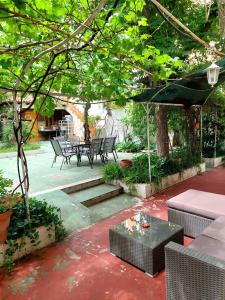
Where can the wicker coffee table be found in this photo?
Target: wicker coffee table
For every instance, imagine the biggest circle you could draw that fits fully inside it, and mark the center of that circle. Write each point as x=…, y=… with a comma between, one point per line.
x=144, y=247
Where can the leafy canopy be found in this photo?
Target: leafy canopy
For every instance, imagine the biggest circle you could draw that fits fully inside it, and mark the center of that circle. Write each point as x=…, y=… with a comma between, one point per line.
x=106, y=61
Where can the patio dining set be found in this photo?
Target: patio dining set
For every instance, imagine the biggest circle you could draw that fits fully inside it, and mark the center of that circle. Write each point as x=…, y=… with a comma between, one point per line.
x=97, y=147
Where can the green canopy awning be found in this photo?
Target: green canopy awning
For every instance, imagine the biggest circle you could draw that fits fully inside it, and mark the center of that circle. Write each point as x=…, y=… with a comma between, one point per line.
x=191, y=90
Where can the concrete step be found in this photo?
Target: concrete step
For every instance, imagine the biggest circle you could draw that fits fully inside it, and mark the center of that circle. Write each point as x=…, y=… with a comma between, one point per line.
x=81, y=185
x=74, y=187
x=96, y=194
x=113, y=205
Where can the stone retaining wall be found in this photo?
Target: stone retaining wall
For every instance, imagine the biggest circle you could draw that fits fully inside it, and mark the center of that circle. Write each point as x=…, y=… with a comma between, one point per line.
x=46, y=237
x=214, y=162
x=145, y=190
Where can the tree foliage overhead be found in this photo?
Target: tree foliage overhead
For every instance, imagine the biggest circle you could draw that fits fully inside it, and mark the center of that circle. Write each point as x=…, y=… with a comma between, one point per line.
x=90, y=51
x=102, y=62
x=169, y=38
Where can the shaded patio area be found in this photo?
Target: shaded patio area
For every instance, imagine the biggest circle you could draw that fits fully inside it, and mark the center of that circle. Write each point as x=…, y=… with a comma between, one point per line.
x=82, y=267
x=43, y=177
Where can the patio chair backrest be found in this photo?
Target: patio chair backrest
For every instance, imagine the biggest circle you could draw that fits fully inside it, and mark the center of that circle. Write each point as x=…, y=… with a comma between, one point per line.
x=75, y=139
x=108, y=144
x=95, y=146
x=60, y=138
x=56, y=147
x=97, y=140
x=63, y=142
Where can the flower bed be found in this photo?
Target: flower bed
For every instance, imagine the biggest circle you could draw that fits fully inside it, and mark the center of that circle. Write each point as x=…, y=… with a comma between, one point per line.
x=165, y=172
x=145, y=190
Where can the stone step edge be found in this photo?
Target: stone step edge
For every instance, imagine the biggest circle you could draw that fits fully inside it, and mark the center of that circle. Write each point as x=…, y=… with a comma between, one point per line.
x=73, y=187
x=100, y=198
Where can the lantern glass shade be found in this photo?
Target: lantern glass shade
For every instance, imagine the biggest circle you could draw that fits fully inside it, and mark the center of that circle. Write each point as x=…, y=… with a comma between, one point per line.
x=213, y=74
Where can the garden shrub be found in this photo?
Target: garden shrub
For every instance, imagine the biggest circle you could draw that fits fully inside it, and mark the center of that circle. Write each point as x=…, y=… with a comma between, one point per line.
x=112, y=171
x=213, y=120
x=186, y=158
x=138, y=172
x=160, y=167
x=41, y=214
x=8, y=136
x=129, y=146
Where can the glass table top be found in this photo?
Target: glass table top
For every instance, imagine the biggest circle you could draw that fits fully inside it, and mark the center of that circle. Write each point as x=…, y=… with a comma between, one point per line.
x=152, y=236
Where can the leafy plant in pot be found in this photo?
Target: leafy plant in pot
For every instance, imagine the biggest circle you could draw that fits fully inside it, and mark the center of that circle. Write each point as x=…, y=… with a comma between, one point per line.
x=6, y=205
x=7, y=202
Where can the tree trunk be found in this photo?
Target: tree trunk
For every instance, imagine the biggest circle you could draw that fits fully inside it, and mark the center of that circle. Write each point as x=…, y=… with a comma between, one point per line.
x=86, y=124
x=162, y=131
x=21, y=157
x=192, y=116
x=221, y=9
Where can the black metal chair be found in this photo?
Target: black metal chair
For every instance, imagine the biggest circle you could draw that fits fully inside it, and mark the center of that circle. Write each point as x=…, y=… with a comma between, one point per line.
x=108, y=146
x=98, y=141
x=62, y=152
x=91, y=150
x=65, y=144
x=74, y=140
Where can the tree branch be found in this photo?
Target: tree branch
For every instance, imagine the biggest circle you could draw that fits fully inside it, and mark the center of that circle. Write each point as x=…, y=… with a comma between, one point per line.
x=33, y=21
x=12, y=49
x=192, y=34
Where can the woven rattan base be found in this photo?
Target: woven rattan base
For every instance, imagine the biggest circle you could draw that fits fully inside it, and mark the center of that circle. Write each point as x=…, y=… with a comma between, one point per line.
x=145, y=256
x=193, y=224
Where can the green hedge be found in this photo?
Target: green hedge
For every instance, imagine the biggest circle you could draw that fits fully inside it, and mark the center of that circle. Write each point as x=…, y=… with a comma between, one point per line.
x=160, y=167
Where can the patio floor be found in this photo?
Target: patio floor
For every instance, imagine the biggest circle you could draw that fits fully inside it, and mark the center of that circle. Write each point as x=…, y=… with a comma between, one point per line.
x=82, y=267
x=43, y=177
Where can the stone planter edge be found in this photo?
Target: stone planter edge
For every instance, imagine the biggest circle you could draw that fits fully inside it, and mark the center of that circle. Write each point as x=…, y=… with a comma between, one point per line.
x=46, y=237
x=214, y=162
x=145, y=190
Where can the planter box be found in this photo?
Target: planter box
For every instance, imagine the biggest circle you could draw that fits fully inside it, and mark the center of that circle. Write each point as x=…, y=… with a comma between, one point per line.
x=214, y=162
x=145, y=190
x=46, y=237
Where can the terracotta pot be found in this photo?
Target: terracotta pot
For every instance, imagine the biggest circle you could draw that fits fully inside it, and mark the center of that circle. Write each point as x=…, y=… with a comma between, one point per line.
x=125, y=163
x=196, y=125
x=4, y=224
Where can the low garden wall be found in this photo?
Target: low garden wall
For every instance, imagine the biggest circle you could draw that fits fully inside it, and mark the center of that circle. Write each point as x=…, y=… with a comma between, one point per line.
x=214, y=162
x=46, y=237
x=145, y=190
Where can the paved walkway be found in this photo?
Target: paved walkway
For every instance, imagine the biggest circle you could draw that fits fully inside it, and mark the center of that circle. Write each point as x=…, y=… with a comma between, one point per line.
x=43, y=177
x=82, y=267
x=46, y=181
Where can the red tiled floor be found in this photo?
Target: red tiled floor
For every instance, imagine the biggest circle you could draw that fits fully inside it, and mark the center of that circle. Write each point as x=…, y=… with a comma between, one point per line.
x=81, y=268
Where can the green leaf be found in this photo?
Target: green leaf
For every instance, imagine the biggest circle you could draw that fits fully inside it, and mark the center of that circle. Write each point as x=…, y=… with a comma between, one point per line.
x=44, y=4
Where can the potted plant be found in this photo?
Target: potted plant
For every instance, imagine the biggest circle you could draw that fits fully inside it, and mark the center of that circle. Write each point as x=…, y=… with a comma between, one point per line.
x=6, y=205
x=7, y=202
x=125, y=163
x=196, y=125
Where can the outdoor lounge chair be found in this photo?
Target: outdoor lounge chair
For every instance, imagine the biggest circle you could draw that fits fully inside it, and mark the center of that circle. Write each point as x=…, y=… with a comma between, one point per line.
x=65, y=153
x=108, y=146
x=197, y=271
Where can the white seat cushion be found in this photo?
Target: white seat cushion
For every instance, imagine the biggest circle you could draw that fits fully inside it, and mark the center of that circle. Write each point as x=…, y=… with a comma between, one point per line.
x=205, y=204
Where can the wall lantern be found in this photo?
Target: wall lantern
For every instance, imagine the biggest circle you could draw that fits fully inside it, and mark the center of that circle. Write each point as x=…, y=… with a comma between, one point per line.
x=213, y=74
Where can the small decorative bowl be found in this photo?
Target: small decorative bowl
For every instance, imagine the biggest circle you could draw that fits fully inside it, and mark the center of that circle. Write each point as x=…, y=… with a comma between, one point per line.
x=145, y=225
